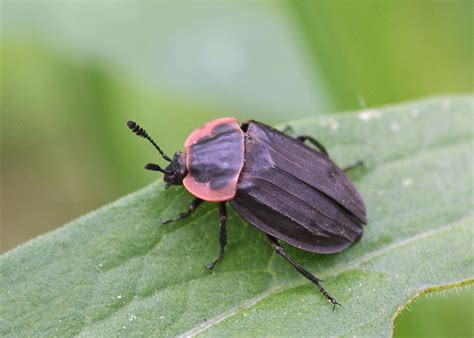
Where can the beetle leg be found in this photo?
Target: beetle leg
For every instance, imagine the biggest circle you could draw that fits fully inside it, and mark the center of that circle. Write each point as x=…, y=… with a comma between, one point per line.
x=314, y=142
x=191, y=208
x=288, y=129
x=222, y=234
x=353, y=166
x=279, y=250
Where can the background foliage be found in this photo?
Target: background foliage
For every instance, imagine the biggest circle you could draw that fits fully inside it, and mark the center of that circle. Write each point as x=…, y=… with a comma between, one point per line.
x=73, y=72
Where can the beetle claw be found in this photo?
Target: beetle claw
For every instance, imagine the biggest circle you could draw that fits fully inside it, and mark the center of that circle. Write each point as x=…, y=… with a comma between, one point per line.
x=288, y=129
x=334, y=303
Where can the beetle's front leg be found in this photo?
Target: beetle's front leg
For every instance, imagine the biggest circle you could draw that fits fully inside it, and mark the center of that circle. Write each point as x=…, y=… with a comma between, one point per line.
x=191, y=208
x=222, y=234
x=314, y=142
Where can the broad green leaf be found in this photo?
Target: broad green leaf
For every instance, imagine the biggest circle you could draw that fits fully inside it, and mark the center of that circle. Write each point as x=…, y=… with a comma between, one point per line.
x=117, y=271
x=445, y=313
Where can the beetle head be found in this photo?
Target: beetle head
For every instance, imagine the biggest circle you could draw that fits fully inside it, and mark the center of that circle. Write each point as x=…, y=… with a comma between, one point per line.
x=176, y=170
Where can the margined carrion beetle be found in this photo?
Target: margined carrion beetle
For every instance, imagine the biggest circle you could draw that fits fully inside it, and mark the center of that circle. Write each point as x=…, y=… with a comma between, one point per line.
x=288, y=190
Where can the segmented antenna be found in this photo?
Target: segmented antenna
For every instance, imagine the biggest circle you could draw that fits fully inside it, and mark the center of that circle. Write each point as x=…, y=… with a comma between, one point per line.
x=156, y=167
x=139, y=131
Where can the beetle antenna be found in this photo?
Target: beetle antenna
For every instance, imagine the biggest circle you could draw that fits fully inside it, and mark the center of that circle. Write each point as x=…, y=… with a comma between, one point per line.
x=156, y=167
x=139, y=131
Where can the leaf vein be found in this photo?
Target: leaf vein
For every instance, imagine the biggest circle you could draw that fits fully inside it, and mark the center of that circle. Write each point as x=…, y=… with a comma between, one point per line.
x=329, y=273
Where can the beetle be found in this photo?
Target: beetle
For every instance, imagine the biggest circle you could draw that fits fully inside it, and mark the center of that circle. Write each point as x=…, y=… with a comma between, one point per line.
x=288, y=190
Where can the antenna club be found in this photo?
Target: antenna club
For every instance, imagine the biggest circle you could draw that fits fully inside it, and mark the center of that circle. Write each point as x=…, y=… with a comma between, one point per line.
x=151, y=166
x=139, y=131
x=136, y=129
x=131, y=124
x=156, y=167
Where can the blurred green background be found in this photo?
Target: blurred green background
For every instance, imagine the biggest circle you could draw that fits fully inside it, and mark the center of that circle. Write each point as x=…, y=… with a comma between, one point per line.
x=73, y=72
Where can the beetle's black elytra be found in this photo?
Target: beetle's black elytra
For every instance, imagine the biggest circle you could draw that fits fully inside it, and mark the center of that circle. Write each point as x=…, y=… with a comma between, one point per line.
x=286, y=189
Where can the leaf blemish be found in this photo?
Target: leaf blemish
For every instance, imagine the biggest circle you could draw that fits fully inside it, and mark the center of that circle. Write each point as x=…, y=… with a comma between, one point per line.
x=395, y=127
x=407, y=182
x=415, y=112
x=333, y=124
x=367, y=115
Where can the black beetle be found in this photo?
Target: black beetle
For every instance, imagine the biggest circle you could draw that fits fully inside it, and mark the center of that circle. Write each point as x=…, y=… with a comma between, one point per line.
x=286, y=189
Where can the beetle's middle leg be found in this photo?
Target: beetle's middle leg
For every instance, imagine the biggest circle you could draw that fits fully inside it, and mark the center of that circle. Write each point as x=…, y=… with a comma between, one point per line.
x=314, y=142
x=191, y=208
x=279, y=250
x=222, y=234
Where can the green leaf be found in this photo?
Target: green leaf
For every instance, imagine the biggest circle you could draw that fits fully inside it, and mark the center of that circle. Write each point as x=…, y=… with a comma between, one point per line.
x=117, y=271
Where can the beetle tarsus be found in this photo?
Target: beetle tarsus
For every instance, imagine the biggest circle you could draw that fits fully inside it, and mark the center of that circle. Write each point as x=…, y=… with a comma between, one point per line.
x=279, y=250
x=191, y=208
x=222, y=235
x=211, y=265
x=334, y=303
x=326, y=294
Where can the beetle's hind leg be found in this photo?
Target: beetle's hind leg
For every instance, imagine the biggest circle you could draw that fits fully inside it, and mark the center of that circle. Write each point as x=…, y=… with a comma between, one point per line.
x=279, y=250
x=191, y=208
x=288, y=129
x=222, y=234
x=358, y=164
x=314, y=142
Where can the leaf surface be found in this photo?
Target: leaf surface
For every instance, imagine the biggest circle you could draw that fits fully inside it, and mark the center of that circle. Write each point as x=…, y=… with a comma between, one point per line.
x=118, y=271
